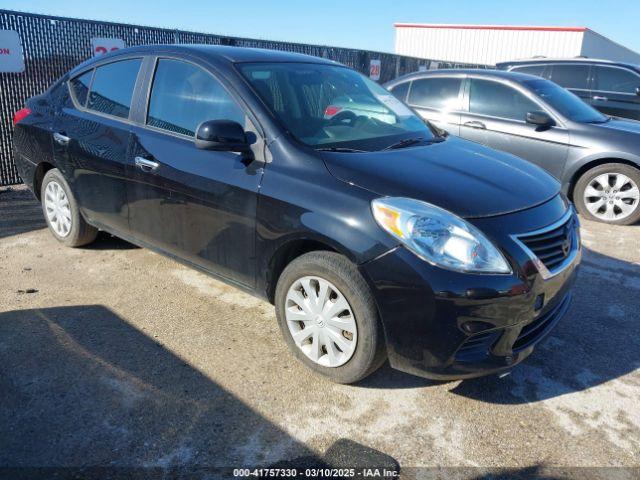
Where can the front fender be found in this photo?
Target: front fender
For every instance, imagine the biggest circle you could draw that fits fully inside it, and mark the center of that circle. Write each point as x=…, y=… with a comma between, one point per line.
x=593, y=159
x=303, y=201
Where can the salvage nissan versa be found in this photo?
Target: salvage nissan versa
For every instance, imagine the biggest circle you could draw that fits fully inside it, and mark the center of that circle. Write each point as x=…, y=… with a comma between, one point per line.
x=301, y=181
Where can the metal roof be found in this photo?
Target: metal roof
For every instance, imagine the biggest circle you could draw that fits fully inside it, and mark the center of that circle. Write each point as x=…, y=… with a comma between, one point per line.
x=545, y=60
x=491, y=27
x=516, y=76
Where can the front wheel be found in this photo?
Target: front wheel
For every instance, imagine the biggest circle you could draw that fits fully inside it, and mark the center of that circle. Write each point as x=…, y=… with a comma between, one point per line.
x=328, y=317
x=609, y=193
x=61, y=212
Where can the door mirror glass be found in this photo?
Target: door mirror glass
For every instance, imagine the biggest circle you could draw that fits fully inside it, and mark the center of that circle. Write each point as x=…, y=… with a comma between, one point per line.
x=221, y=135
x=540, y=118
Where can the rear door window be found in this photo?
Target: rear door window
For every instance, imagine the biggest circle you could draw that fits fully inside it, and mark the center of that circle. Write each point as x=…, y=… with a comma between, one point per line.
x=498, y=100
x=112, y=87
x=439, y=92
x=619, y=80
x=80, y=87
x=571, y=76
x=400, y=91
x=536, y=70
x=184, y=95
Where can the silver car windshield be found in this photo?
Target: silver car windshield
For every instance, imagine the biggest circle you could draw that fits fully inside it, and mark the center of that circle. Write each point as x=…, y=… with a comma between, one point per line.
x=565, y=102
x=333, y=106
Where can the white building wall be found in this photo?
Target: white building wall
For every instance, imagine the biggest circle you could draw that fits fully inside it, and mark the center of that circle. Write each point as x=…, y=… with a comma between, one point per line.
x=485, y=45
x=595, y=45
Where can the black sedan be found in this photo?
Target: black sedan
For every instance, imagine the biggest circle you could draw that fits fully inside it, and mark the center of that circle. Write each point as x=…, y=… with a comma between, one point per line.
x=303, y=182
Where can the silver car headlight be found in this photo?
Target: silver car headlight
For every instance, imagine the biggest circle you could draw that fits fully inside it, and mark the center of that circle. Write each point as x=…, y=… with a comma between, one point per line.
x=438, y=236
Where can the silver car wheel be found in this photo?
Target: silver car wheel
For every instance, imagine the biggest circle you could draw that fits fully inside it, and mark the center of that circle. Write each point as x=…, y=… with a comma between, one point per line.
x=57, y=207
x=611, y=196
x=321, y=321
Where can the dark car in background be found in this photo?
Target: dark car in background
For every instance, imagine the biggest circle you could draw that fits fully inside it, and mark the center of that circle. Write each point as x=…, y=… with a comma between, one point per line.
x=595, y=157
x=611, y=87
x=373, y=235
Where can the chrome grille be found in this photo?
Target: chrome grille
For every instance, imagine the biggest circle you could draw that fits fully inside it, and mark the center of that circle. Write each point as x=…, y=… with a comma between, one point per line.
x=552, y=246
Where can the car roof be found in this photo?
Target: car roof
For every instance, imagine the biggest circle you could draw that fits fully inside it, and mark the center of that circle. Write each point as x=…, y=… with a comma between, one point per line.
x=545, y=60
x=515, y=76
x=218, y=53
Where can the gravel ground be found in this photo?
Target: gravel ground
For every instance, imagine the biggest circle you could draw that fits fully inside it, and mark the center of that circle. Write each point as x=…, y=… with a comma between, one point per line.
x=114, y=356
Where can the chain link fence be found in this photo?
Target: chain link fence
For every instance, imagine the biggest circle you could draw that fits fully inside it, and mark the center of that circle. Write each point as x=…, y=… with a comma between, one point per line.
x=53, y=45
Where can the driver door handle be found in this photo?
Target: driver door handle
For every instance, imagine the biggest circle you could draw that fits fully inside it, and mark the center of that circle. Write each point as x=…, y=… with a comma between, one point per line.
x=145, y=164
x=61, y=139
x=598, y=97
x=475, y=124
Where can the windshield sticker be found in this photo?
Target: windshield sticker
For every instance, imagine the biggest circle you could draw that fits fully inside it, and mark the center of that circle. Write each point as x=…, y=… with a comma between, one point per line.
x=395, y=105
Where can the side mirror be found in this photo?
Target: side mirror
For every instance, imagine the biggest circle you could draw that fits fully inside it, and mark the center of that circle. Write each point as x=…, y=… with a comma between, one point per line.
x=637, y=90
x=221, y=135
x=539, y=118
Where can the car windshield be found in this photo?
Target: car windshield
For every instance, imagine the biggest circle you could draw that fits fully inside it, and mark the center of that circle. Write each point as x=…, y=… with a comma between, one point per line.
x=330, y=106
x=565, y=102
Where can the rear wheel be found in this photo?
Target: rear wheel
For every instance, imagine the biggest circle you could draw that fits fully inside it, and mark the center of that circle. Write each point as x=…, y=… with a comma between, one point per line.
x=609, y=193
x=61, y=212
x=328, y=317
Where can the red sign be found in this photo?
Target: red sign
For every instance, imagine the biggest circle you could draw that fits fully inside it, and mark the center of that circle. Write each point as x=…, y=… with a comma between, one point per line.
x=374, y=69
x=101, y=46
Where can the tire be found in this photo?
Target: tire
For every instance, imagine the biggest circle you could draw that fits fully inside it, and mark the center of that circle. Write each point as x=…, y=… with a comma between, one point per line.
x=369, y=352
x=77, y=232
x=594, y=178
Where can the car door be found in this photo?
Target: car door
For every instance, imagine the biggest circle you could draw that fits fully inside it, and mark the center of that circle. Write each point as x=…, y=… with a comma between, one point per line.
x=438, y=99
x=91, y=140
x=198, y=205
x=495, y=117
x=616, y=91
x=575, y=77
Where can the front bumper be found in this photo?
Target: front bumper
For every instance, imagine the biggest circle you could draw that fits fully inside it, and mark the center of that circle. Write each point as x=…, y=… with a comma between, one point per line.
x=447, y=325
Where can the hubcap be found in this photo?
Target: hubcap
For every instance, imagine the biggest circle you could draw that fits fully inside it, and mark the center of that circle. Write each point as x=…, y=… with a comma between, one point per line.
x=58, y=210
x=611, y=196
x=320, y=321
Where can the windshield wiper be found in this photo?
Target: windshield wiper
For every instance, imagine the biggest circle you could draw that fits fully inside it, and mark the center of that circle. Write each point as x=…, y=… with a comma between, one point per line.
x=339, y=149
x=412, y=141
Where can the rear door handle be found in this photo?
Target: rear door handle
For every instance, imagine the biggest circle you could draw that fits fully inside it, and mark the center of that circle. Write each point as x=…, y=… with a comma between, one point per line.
x=145, y=164
x=475, y=124
x=598, y=97
x=61, y=139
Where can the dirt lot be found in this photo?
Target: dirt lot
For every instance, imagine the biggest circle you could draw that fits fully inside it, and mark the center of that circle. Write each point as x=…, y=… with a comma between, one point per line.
x=114, y=356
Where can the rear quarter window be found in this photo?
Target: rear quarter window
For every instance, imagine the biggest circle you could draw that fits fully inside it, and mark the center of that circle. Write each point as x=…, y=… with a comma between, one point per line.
x=80, y=87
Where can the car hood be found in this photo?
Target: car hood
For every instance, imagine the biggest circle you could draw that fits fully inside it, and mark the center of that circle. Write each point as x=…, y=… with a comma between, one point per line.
x=627, y=126
x=457, y=175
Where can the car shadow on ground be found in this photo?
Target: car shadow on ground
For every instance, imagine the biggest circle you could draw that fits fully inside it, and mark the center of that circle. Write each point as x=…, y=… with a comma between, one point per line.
x=20, y=212
x=597, y=342
x=106, y=241
x=85, y=393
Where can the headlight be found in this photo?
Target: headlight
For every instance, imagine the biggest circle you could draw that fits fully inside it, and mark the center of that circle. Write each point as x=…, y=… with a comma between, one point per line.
x=438, y=236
